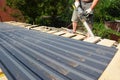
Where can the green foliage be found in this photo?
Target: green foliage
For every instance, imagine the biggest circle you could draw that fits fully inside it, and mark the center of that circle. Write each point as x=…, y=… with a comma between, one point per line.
x=107, y=10
x=100, y=30
x=114, y=10
x=57, y=10
x=113, y=32
x=15, y=3
x=35, y=10
x=60, y=11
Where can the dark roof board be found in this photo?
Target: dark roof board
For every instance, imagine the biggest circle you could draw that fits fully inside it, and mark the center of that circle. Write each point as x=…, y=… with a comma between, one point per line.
x=33, y=55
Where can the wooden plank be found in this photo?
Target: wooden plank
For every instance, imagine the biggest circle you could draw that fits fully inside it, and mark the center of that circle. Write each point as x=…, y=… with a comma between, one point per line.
x=20, y=24
x=52, y=31
x=3, y=77
x=68, y=35
x=32, y=26
x=0, y=70
x=27, y=25
x=118, y=47
x=107, y=42
x=7, y=22
x=93, y=39
x=112, y=72
x=42, y=29
x=23, y=24
x=45, y=30
x=78, y=37
x=38, y=28
x=15, y=23
x=59, y=33
x=10, y=22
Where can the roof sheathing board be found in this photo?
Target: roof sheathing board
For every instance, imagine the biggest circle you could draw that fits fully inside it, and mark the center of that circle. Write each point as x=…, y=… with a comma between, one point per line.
x=38, y=55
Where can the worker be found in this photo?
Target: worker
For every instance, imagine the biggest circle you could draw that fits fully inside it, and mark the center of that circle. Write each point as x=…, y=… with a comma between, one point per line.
x=88, y=7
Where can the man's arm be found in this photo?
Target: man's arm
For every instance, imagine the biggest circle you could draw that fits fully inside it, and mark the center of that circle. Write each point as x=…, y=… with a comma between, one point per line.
x=94, y=3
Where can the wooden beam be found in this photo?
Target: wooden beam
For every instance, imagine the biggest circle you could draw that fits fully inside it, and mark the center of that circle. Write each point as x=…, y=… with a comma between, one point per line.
x=52, y=31
x=78, y=37
x=2, y=75
x=0, y=70
x=118, y=47
x=68, y=35
x=93, y=39
x=37, y=28
x=107, y=42
x=112, y=72
x=59, y=33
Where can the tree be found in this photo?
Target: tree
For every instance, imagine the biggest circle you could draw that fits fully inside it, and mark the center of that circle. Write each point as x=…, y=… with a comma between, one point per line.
x=107, y=10
x=28, y=8
x=36, y=10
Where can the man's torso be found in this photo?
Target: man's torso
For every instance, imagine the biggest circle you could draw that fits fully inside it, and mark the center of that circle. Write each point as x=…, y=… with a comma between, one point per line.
x=87, y=1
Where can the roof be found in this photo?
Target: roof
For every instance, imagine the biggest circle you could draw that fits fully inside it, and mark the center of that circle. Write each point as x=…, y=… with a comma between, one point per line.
x=34, y=55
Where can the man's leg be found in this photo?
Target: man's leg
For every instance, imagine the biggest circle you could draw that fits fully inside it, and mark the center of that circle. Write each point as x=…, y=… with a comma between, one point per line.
x=74, y=20
x=74, y=24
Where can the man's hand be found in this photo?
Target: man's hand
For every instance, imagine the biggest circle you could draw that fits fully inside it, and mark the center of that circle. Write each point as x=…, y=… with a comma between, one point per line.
x=77, y=4
x=88, y=11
